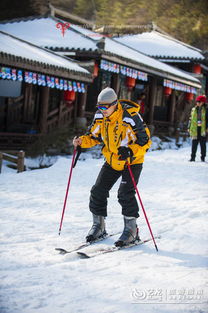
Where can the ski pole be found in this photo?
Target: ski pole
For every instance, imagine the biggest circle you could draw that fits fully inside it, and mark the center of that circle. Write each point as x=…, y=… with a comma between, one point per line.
x=79, y=150
x=140, y=200
x=67, y=189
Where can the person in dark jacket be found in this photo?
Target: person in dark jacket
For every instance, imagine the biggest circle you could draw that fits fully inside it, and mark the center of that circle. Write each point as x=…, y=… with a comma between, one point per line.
x=125, y=138
x=198, y=127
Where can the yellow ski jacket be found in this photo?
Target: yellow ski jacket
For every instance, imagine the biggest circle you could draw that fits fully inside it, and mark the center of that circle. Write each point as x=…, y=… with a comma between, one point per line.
x=124, y=127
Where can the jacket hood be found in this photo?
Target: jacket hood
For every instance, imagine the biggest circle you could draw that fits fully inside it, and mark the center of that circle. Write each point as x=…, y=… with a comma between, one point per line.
x=130, y=105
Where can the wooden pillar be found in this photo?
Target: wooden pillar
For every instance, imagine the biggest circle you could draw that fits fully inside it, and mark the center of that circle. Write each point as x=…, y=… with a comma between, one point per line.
x=75, y=104
x=27, y=103
x=80, y=119
x=20, y=161
x=44, y=102
x=82, y=103
x=172, y=107
x=26, y=93
x=8, y=114
x=152, y=99
x=129, y=92
x=115, y=83
x=206, y=83
x=60, y=108
x=1, y=160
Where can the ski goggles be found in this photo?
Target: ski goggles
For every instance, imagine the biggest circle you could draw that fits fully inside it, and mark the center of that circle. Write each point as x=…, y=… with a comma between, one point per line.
x=104, y=107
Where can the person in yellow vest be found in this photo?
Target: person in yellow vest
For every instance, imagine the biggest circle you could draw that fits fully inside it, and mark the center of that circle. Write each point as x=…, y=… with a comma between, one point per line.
x=118, y=126
x=198, y=127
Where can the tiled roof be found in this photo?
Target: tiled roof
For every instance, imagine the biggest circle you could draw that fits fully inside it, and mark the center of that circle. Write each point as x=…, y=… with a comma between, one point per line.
x=15, y=48
x=116, y=48
x=44, y=32
x=78, y=38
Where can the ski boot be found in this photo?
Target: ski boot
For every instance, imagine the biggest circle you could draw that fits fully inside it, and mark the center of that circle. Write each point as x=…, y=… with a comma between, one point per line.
x=98, y=229
x=130, y=233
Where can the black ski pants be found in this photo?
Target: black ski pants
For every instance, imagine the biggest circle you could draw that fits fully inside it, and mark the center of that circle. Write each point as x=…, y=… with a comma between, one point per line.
x=200, y=139
x=126, y=192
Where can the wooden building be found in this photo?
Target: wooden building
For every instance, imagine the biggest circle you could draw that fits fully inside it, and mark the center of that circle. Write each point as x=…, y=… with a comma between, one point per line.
x=39, y=91
x=114, y=64
x=160, y=46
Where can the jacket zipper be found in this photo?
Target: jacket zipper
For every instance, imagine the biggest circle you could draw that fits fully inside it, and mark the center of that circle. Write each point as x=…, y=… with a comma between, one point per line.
x=107, y=137
x=108, y=142
x=111, y=159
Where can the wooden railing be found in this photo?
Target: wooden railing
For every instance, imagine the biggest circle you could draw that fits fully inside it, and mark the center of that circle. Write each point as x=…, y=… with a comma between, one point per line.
x=16, y=141
x=182, y=131
x=59, y=117
x=20, y=140
x=162, y=127
x=17, y=159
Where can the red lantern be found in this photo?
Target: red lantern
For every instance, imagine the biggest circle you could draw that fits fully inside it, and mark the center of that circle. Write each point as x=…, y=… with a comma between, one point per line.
x=130, y=82
x=167, y=91
x=189, y=96
x=96, y=70
x=69, y=95
x=197, y=68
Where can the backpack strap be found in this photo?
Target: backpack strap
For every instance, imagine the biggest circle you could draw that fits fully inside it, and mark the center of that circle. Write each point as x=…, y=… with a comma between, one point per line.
x=131, y=116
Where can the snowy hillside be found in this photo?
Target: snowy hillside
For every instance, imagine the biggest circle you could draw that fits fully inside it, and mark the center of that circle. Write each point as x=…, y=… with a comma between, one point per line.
x=36, y=279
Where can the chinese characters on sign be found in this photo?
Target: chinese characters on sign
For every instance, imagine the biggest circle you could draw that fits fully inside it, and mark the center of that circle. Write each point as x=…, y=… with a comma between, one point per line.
x=168, y=296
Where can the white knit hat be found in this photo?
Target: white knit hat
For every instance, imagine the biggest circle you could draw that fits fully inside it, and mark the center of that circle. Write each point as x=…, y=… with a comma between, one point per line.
x=107, y=95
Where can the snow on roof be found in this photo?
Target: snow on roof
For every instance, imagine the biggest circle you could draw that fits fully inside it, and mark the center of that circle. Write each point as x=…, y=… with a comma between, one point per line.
x=120, y=49
x=44, y=32
x=77, y=37
x=14, y=46
x=114, y=47
x=156, y=44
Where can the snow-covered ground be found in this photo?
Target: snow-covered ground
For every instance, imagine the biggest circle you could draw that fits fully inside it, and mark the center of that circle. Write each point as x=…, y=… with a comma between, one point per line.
x=36, y=279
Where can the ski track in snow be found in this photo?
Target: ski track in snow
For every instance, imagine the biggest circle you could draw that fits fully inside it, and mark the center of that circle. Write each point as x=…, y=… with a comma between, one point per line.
x=35, y=278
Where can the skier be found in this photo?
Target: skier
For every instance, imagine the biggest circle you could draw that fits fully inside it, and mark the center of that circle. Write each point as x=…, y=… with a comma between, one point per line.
x=198, y=127
x=125, y=138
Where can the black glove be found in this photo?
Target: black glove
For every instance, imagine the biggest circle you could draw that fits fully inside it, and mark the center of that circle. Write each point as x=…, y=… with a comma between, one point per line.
x=124, y=153
x=79, y=151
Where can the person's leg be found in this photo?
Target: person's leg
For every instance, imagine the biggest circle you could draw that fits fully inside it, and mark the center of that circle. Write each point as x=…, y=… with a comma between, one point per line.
x=126, y=192
x=203, y=148
x=100, y=191
x=130, y=208
x=194, y=149
x=98, y=201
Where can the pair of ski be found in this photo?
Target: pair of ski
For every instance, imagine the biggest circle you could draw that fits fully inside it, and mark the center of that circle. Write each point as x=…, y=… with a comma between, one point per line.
x=105, y=250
